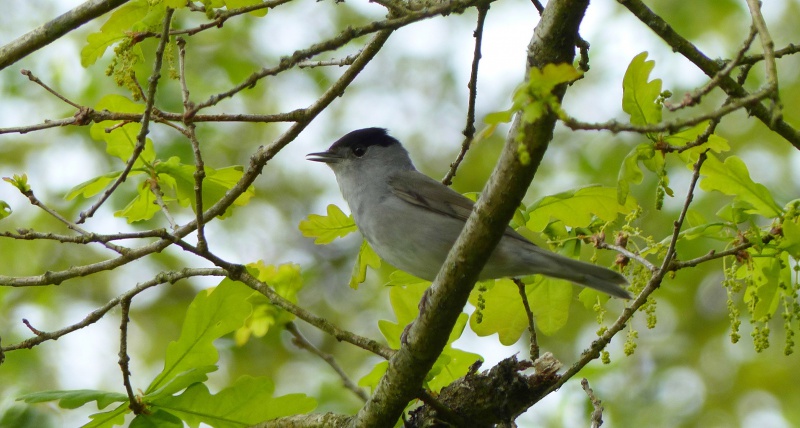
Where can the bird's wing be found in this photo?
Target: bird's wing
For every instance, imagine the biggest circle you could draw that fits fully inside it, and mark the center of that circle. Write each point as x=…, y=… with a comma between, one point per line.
x=418, y=189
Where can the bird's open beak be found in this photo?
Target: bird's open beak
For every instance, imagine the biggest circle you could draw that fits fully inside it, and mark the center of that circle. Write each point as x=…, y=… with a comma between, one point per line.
x=326, y=157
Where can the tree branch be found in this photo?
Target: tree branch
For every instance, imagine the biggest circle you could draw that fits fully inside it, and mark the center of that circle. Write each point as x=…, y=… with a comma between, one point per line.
x=469, y=129
x=162, y=278
x=710, y=68
x=141, y=139
x=303, y=343
x=553, y=42
x=53, y=30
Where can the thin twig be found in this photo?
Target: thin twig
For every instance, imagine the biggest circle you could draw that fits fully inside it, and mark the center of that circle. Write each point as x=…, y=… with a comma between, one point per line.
x=94, y=316
x=36, y=80
x=200, y=169
x=338, y=41
x=156, y=189
x=790, y=49
x=30, y=235
x=303, y=343
x=699, y=141
x=669, y=127
x=766, y=43
x=694, y=98
x=141, y=139
x=710, y=68
x=36, y=202
x=219, y=19
x=469, y=129
x=682, y=216
x=597, y=405
x=239, y=273
x=89, y=116
x=34, y=330
x=711, y=255
x=348, y=60
x=655, y=281
x=534, y=347
x=627, y=253
x=133, y=403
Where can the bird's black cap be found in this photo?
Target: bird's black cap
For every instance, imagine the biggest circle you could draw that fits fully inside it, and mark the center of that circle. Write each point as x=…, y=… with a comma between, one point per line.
x=365, y=138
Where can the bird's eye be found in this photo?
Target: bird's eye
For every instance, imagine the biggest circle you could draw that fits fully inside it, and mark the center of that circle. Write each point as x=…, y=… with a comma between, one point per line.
x=359, y=151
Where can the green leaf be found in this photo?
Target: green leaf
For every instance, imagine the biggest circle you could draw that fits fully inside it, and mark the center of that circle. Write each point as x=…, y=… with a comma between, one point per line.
x=212, y=314
x=157, y=419
x=113, y=30
x=110, y=418
x=451, y=365
x=535, y=97
x=248, y=401
x=75, y=398
x=498, y=117
x=5, y=210
x=732, y=178
x=715, y=143
x=590, y=297
x=287, y=281
x=142, y=207
x=763, y=294
x=549, y=300
x=638, y=94
x=328, y=227
x=629, y=172
x=178, y=180
x=544, y=80
x=91, y=187
x=366, y=257
x=121, y=141
x=790, y=242
x=181, y=382
x=399, y=277
x=736, y=212
x=504, y=314
x=371, y=379
x=576, y=207
x=19, y=181
x=405, y=303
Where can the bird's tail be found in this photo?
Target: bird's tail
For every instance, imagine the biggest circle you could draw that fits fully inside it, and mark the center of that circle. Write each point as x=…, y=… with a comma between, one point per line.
x=585, y=274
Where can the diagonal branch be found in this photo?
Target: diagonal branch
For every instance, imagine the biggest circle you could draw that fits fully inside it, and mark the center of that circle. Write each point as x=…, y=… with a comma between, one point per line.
x=553, y=43
x=710, y=68
x=97, y=314
x=53, y=30
x=469, y=129
x=301, y=342
x=655, y=281
x=141, y=139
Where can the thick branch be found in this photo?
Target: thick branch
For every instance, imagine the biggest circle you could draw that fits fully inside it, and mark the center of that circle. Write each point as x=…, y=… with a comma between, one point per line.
x=710, y=68
x=51, y=31
x=553, y=42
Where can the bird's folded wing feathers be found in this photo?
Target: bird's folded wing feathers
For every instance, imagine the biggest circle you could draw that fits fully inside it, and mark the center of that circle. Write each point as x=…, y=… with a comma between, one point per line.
x=413, y=186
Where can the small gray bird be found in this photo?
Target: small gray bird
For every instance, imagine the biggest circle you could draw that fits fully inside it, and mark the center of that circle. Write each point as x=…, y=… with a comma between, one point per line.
x=412, y=220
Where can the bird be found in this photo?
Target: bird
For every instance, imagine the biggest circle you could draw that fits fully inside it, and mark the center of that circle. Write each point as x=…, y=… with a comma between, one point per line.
x=412, y=220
